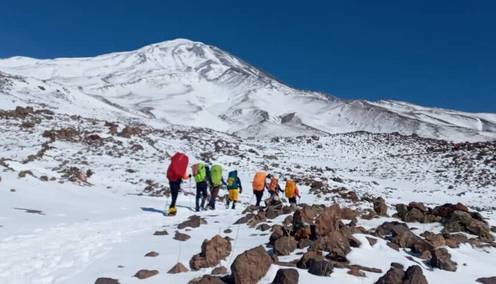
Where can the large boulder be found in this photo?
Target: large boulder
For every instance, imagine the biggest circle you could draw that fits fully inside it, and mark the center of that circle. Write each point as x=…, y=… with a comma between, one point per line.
x=321, y=268
x=250, y=266
x=396, y=275
x=441, y=259
x=380, y=206
x=414, y=275
x=212, y=252
x=308, y=258
x=329, y=220
x=284, y=245
x=207, y=279
x=286, y=276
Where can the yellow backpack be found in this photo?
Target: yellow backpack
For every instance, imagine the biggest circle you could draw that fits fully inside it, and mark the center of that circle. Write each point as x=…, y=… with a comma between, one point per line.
x=290, y=189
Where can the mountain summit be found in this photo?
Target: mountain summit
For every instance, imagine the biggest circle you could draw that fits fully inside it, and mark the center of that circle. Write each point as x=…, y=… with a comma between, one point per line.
x=191, y=83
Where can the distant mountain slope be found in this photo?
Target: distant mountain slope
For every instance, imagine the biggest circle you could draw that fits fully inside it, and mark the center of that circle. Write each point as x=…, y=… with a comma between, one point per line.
x=191, y=83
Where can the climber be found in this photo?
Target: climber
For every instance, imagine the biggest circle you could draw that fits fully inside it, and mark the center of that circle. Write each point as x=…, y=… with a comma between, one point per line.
x=274, y=187
x=234, y=188
x=200, y=174
x=291, y=191
x=259, y=184
x=216, y=181
x=176, y=172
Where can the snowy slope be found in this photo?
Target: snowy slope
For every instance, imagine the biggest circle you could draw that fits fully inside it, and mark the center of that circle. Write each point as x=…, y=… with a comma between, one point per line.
x=54, y=229
x=190, y=83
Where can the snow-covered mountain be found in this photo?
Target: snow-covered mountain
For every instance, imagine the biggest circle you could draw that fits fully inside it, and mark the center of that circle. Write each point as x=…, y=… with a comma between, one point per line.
x=190, y=83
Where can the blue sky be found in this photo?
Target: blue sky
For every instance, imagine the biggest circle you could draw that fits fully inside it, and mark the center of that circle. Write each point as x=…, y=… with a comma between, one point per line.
x=435, y=53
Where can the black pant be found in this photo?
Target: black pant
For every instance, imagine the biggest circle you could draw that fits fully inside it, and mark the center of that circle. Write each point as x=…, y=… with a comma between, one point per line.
x=214, y=190
x=175, y=186
x=292, y=200
x=201, y=193
x=258, y=195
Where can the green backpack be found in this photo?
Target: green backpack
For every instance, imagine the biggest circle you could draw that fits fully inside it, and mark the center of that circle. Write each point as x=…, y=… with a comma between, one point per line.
x=232, y=180
x=216, y=175
x=199, y=172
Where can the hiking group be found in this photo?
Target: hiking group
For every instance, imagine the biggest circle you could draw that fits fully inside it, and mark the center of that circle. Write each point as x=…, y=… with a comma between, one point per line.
x=209, y=181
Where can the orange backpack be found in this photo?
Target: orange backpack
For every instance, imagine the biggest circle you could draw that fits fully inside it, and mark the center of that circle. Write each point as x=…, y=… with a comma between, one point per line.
x=290, y=189
x=273, y=184
x=259, y=181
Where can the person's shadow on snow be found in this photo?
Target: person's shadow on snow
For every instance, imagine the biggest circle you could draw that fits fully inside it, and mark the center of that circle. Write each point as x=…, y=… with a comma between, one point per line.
x=153, y=210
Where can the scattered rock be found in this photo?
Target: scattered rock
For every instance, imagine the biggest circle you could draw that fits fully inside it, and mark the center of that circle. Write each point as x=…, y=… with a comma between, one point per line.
x=161, y=233
x=212, y=252
x=221, y=270
x=250, y=266
x=193, y=222
x=181, y=237
x=106, y=280
x=178, y=268
x=380, y=206
x=23, y=174
x=487, y=280
x=144, y=273
x=152, y=254
x=286, y=276
x=284, y=245
x=442, y=260
x=372, y=241
x=321, y=268
x=207, y=279
x=396, y=275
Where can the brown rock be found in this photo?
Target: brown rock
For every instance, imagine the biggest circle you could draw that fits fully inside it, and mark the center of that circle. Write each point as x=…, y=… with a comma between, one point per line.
x=348, y=213
x=144, y=273
x=181, y=237
x=160, y=233
x=178, y=268
x=212, y=252
x=414, y=275
x=372, y=241
x=207, y=279
x=393, y=276
x=442, y=260
x=309, y=257
x=152, y=254
x=250, y=266
x=321, y=268
x=487, y=280
x=192, y=222
x=355, y=271
x=286, y=276
x=221, y=270
x=106, y=280
x=380, y=206
x=284, y=245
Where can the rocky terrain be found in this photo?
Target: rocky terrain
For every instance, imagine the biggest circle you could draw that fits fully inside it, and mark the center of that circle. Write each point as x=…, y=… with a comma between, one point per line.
x=82, y=201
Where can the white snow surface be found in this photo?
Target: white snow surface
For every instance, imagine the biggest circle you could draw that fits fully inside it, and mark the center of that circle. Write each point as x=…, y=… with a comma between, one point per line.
x=104, y=228
x=191, y=83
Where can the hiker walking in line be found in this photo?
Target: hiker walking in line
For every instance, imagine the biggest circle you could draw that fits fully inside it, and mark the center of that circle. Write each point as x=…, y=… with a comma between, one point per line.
x=259, y=184
x=291, y=191
x=274, y=187
x=176, y=172
x=234, y=188
x=199, y=172
x=216, y=181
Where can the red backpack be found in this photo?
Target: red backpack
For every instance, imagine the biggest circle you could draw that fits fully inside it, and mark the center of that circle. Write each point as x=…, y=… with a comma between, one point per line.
x=177, y=167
